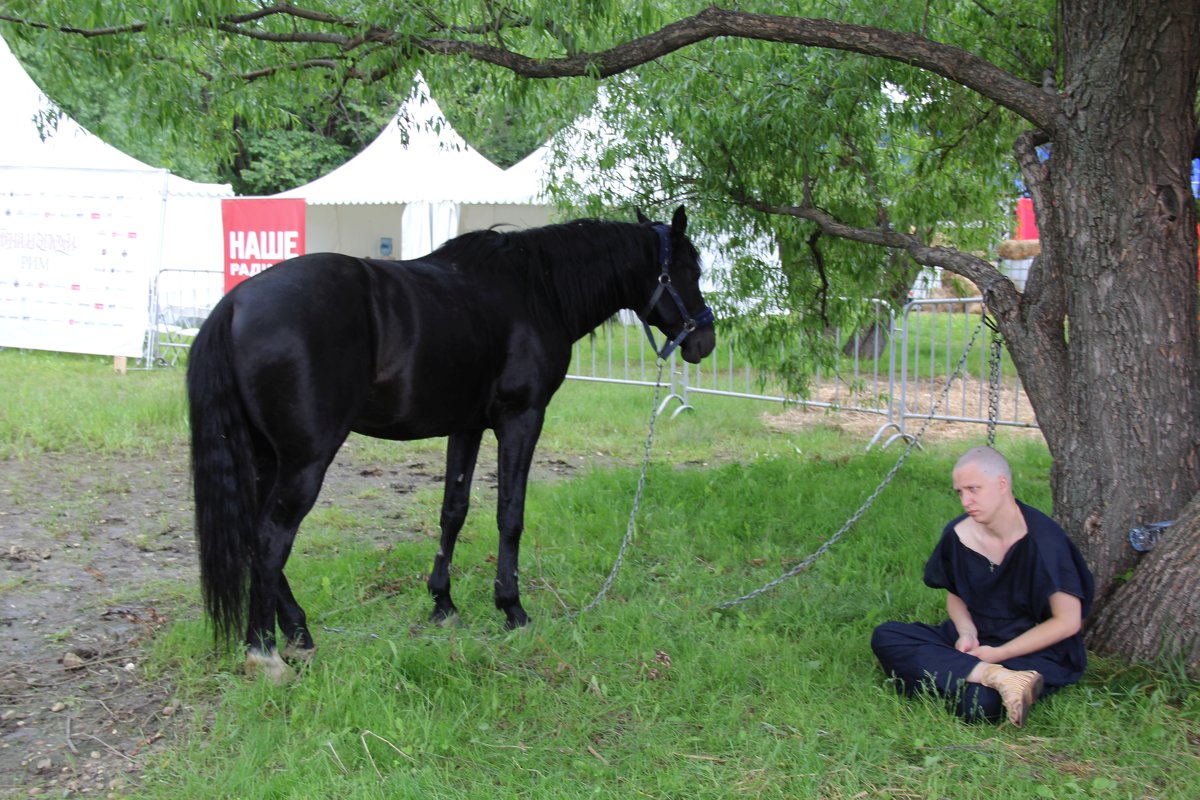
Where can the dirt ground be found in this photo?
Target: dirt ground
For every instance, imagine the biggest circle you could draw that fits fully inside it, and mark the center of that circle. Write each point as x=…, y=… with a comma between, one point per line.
x=963, y=399
x=92, y=554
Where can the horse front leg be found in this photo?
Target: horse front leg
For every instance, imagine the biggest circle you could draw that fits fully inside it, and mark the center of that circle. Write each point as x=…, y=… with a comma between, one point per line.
x=517, y=439
x=462, y=450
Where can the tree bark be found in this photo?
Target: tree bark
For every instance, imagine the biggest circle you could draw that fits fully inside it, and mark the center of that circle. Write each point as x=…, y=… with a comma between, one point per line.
x=1155, y=615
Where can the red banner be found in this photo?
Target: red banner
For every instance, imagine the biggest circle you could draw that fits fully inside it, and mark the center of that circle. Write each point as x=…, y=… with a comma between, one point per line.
x=259, y=233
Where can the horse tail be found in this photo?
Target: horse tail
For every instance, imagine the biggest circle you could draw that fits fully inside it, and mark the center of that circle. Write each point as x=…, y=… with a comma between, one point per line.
x=223, y=476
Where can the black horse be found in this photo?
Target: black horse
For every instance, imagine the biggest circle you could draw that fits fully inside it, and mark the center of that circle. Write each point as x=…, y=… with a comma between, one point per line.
x=477, y=335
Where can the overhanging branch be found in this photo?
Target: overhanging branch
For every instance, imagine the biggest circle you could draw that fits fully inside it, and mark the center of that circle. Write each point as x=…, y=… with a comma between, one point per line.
x=999, y=291
x=87, y=33
x=953, y=63
x=814, y=247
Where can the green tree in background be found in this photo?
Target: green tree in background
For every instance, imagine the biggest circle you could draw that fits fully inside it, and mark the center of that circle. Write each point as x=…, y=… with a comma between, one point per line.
x=859, y=130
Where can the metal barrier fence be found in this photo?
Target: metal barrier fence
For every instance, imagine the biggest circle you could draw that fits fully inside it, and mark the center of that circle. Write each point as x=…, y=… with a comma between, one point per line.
x=904, y=383
x=181, y=299
x=931, y=336
x=902, y=378
x=862, y=386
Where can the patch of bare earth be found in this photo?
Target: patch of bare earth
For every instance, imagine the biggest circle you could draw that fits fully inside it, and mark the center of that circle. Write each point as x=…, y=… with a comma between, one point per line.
x=966, y=398
x=96, y=557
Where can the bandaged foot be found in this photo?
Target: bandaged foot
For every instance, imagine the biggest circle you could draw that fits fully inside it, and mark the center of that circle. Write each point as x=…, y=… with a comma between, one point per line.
x=1018, y=690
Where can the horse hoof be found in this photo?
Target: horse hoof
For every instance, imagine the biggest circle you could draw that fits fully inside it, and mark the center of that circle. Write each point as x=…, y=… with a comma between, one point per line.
x=298, y=653
x=517, y=621
x=444, y=619
x=269, y=666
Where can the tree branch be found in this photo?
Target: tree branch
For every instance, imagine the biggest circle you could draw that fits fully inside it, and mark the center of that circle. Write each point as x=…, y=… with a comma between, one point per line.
x=999, y=291
x=87, y=33
x=814, y=248
x=1029, y=327
x=953, y=63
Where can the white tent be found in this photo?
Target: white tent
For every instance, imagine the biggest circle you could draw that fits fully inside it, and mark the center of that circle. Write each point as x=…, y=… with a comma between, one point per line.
x=86, y=228
x=419, y=184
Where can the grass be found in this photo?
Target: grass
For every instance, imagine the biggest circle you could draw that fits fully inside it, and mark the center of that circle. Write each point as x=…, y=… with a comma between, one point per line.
x=653, y=693
x=57, y=402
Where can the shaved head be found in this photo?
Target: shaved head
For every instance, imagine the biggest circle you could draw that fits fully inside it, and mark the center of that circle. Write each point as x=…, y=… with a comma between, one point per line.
x=988, y=460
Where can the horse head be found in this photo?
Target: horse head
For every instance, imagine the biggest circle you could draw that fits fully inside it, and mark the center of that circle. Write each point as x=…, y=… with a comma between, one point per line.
x=676, y=306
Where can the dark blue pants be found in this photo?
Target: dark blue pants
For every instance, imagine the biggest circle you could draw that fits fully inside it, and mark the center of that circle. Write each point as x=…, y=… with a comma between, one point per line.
x=923, y=659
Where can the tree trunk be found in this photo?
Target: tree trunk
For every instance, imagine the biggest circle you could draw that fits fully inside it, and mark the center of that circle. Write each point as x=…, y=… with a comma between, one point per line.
x=872, y=339
x=1157, y=612
x=1105, y=337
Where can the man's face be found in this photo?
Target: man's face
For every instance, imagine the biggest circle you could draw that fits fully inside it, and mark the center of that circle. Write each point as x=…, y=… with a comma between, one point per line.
x=981, y=495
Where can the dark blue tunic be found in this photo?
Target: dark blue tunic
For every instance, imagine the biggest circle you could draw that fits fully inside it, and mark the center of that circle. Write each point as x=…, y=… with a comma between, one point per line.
x=1005, y=600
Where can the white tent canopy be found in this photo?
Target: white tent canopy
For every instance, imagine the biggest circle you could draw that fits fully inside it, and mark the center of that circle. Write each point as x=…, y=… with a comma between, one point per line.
x=86, y=229
x=418, y=182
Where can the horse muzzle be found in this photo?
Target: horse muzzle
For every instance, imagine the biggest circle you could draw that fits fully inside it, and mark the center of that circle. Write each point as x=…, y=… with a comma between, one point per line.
x=698, y=344
x=695, y=336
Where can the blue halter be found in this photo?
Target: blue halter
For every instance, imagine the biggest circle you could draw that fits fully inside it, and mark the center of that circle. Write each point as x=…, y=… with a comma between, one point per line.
x=690, y=323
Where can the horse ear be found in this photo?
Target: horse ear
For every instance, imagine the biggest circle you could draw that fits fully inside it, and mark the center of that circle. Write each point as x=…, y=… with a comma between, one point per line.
x=679, y=222
x=641, y=217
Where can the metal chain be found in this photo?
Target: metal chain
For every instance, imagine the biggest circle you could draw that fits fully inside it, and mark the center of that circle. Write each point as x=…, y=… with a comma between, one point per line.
x=806, y=563
x=993, y=381
x=637, y=497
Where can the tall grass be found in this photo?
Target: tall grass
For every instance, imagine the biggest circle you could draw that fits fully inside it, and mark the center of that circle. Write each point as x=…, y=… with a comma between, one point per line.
x=653, y=693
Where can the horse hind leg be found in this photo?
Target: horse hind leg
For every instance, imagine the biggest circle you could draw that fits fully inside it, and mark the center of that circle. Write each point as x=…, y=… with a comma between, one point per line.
x=462, y=450
x=293, y=623
x=289, y=500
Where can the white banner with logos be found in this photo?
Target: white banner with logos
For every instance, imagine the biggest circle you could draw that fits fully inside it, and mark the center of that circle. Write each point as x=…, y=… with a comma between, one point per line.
x=77, y=257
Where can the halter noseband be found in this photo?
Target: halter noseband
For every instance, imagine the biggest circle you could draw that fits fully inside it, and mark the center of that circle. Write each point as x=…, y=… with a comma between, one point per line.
x=690, y=323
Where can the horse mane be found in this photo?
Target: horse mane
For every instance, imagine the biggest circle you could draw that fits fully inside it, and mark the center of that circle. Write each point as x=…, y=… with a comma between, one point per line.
x=567, y=261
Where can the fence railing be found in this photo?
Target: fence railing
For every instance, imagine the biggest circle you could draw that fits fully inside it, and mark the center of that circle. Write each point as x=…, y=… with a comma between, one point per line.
x=931, y=336
x=181, y=300
x=902, y=377
x=899, y=374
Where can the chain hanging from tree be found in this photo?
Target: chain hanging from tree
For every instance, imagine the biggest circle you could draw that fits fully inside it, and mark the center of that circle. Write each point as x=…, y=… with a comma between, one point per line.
x=996, y=351
x=912, y=444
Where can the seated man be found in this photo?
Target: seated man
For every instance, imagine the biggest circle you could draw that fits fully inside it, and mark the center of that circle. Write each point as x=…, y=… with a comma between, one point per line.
x=1017, y=592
